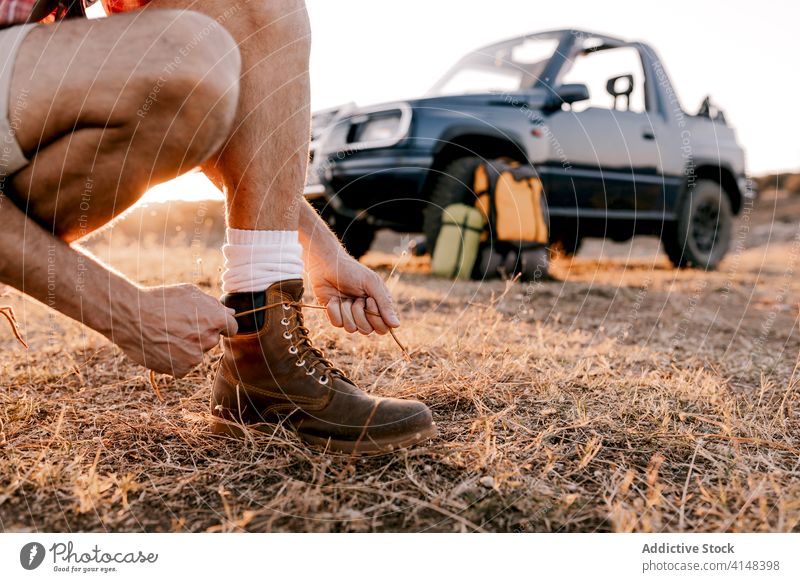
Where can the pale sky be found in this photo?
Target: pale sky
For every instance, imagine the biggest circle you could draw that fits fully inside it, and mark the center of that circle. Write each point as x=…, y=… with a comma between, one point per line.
x=743, y=53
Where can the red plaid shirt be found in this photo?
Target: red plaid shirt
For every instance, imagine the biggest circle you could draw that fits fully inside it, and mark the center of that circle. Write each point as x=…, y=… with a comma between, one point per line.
x=18, y=11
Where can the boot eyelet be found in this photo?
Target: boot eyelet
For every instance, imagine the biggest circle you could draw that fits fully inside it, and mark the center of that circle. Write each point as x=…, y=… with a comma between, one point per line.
x=293, y=350
x=323, y=380
x=285, y=322
x=286, y=307
x=287, y=335
x=300, y=363
x=310, y=372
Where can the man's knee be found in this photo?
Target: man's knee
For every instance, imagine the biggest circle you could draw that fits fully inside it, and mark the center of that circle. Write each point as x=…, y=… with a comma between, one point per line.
x=193, y=93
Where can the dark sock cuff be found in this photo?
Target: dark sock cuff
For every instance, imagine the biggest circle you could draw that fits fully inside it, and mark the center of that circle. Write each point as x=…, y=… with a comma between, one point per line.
x=244, y=302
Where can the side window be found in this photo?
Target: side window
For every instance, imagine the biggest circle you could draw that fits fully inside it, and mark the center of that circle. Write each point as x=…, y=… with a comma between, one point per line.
x=594, y=69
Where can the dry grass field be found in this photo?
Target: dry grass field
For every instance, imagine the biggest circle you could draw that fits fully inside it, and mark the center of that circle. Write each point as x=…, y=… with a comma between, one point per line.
x=627, y=396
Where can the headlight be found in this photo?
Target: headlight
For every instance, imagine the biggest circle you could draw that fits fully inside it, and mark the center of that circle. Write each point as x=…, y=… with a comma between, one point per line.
x=369, y=129
x=379, y=127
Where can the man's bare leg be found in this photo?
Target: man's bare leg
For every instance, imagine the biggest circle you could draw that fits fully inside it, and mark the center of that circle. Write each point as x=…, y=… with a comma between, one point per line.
x=115, y=116
x=271, y=371
x=262, y=168
x=100, y=125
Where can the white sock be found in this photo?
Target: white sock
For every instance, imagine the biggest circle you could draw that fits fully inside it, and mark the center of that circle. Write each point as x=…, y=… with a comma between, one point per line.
x=255, y=259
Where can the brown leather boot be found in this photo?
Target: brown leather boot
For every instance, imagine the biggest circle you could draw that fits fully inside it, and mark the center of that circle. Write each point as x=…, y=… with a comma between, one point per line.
x=270, y=372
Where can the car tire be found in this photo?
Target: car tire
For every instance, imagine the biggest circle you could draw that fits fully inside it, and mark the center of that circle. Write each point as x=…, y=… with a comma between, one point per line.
x=701, y=236
x=356, y=235
x=453, y=186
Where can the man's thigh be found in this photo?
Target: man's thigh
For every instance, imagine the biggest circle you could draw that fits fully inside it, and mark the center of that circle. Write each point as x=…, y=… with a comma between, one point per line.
x=93, y=73
x=122, y=104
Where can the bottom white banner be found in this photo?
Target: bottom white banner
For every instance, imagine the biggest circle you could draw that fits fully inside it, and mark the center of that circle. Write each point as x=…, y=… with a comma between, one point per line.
x=354, y=557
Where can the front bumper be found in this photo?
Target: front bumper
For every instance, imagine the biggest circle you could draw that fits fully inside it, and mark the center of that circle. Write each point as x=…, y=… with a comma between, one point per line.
x=384, y=187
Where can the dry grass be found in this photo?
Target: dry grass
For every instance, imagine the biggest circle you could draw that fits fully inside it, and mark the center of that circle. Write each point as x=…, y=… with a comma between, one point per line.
x=629, y=397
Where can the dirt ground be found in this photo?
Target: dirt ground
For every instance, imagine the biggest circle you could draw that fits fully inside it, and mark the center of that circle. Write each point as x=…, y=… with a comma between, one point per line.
x=626, y=396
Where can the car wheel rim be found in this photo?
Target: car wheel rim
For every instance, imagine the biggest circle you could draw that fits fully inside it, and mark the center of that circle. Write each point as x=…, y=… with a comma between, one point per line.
x=706, y=226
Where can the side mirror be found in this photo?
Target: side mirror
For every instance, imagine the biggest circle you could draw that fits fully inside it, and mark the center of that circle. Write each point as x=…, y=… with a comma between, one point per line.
x=621, y=86
x=568, y=93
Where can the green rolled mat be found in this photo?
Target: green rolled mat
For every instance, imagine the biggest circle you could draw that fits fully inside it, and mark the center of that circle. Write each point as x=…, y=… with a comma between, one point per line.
x=458, y=242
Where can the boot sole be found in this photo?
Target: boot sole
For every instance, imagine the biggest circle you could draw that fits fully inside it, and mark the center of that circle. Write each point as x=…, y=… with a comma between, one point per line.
x=364, y=447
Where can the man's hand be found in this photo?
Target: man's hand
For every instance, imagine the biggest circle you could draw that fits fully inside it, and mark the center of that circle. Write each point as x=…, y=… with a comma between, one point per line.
x=170, y=328
x=352, y=293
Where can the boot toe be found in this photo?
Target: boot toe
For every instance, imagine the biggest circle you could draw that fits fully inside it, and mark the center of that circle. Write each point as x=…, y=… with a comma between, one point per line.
x=387, y=425
x=401, y=418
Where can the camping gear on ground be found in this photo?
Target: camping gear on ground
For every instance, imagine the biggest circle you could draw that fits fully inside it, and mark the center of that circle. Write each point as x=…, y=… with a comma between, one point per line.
x=490, y=263
x=511, y=198
x=458, y=243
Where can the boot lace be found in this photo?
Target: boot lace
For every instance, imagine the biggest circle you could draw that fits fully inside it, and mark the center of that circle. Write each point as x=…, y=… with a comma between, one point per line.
x=307, y=355
x=302, y=348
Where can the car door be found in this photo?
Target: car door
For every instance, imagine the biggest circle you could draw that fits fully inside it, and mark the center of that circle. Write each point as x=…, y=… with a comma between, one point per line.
x=603, y=159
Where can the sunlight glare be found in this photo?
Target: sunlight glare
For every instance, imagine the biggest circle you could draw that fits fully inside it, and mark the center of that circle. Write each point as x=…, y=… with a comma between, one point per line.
x=190, y=187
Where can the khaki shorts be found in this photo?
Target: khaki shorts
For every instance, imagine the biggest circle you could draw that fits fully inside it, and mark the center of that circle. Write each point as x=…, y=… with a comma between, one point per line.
x=12, y=159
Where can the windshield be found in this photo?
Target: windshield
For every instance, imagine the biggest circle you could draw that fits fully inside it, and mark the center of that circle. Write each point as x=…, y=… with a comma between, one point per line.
x=508, y=67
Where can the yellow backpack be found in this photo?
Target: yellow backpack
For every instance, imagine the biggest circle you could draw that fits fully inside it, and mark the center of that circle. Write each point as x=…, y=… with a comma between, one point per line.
x=511, y=198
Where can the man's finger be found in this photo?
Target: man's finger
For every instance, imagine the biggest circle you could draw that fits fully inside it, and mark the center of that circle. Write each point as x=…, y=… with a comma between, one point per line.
x=360, y=317
x=378, y=291
x=347, y=316
x=209, y=342
x=377, y=322
x=334, y=310
x=231, y=325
